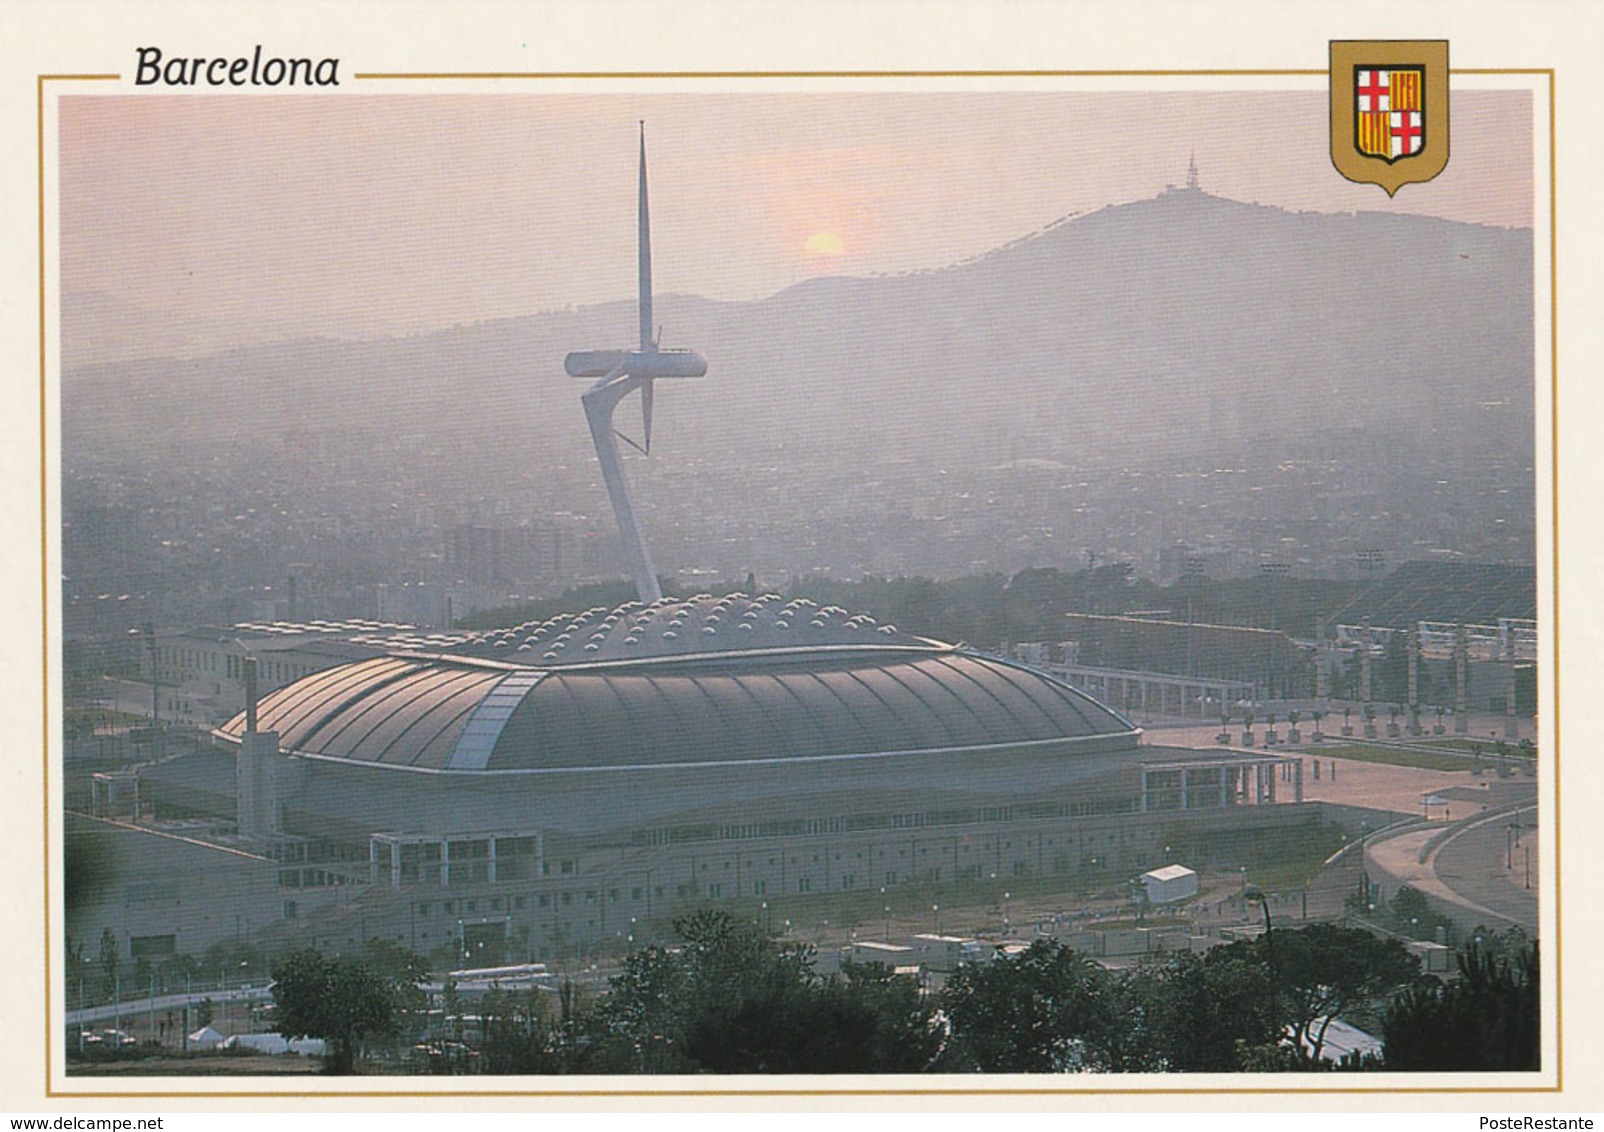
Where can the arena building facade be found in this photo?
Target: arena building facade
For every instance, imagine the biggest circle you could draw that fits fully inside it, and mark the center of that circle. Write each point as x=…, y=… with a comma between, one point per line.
x=567, y=784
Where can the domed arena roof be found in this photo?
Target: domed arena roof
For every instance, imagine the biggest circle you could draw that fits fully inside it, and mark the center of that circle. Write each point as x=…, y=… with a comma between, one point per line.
x=678, y=682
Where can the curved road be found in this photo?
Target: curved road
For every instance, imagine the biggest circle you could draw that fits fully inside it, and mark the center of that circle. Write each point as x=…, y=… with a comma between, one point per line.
x=1477, y=873
x=1484, y=866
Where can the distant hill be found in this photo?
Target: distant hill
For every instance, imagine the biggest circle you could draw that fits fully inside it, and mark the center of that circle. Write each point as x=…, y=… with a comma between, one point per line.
x=1182, y=317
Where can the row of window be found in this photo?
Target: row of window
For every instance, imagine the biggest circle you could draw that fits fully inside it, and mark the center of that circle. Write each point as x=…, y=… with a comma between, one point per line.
x=1087, y=806
x=520, y=903
x=183, y=663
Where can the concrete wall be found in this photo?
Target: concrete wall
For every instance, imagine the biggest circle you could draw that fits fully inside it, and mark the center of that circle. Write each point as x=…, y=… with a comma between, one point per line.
x=146, y=886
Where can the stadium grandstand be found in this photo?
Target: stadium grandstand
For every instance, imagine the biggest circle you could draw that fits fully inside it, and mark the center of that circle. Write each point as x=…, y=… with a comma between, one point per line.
x=1269, y=663
x=1452, y=592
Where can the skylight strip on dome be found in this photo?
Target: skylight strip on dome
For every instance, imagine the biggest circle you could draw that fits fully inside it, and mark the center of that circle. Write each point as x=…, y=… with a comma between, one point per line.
x=478, y=737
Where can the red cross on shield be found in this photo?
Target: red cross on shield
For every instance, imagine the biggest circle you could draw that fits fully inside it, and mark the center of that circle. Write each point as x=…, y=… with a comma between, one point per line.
x=1389, y=110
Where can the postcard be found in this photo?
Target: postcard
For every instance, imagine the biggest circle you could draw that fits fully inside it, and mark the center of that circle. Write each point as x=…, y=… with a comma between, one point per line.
x=1009, y=555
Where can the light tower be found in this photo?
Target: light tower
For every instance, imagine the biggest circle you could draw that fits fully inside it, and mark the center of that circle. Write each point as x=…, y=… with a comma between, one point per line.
x=622, y=372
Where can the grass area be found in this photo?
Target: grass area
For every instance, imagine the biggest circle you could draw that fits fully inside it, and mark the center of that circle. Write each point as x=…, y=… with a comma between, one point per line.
x=1287, y=862
x=1294, y=871
x=1487, y=747
x=209, y=1064
x=965, y=902
x=1423, y=760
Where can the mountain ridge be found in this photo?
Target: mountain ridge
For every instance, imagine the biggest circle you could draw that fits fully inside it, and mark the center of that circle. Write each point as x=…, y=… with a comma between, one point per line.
x=1139, y=319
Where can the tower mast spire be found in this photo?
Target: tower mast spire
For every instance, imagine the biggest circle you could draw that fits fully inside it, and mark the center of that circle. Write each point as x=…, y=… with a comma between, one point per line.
x=622, y=372
x=648, y=341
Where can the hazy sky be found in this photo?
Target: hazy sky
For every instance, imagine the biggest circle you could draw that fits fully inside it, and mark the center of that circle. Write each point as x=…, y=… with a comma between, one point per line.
x=360, y=214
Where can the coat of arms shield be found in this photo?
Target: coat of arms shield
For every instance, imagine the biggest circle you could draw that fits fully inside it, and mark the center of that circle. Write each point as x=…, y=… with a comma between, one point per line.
x=1389, y=110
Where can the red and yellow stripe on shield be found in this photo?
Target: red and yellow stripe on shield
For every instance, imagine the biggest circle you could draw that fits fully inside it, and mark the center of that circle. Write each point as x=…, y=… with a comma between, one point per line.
x=1374, y=136
x=1405, y=90
x=1375, y=126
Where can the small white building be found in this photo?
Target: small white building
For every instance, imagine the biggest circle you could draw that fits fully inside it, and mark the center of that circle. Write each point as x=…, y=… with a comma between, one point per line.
x=1169, y=884
x=1435, y=958
x=946, y=952
x=873, y=951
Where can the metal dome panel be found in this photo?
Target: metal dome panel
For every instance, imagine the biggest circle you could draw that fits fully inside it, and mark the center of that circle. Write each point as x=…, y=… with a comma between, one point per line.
x=825, y=698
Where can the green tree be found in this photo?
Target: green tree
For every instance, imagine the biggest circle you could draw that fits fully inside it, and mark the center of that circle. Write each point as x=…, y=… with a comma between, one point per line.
x=732, y=1000
x=1487, y=1020
x=341, y=1001
x=644, y=1019
x=1322, y=971
x=1048, y=1010
x=1205, y=1014
x=1389, y=672
x=1412, y=914
x=727, y=1001
x=451, y=1006
x=405, y=968
x=231, y=960
x=181, y=967
x=881, y=1019
x=518, y=1034
x=110, y=952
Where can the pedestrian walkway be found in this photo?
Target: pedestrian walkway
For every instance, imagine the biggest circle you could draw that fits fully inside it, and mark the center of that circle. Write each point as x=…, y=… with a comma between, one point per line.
x=1465, y=867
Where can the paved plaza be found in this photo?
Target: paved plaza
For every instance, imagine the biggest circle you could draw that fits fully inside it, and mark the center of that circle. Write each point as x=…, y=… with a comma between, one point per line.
x=1464, y=856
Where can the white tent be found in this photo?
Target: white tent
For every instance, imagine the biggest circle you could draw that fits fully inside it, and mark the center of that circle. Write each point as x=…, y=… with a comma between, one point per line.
x=206, y=1038
x=277, y=1043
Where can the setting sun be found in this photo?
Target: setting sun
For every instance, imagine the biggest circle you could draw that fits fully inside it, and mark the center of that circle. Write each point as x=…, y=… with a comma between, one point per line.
x=824, y=243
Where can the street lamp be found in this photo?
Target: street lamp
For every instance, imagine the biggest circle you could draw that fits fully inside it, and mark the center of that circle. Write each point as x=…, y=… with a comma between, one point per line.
x=936, y=910
x=1006, y=897
x=1365, y=892
x=1253, y=894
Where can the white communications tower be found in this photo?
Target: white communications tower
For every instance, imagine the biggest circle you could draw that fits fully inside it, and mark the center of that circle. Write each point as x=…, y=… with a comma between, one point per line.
x=621, y=372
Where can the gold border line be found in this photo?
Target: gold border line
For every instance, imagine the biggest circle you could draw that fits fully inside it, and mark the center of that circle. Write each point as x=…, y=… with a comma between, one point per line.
x=1285, y=1090
x=44, y=585
x=982, y=74
x=1553, y=414
x=44, y=546
x=960, y=74
x=900, y=1092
